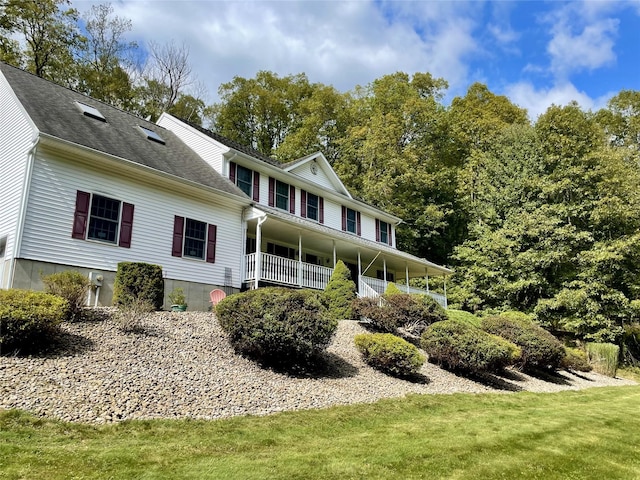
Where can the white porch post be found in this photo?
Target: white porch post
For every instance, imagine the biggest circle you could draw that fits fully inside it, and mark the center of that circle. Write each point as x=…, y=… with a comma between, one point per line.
x=334, y=254
x=300, y=258
x=426, y=279
x=359, y=272
x=406, y=269
x=444, y=277
x=384, y=272
x=259, y=251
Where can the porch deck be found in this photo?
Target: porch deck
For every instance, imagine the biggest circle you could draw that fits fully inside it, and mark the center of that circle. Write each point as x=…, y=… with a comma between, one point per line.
x=288, y=272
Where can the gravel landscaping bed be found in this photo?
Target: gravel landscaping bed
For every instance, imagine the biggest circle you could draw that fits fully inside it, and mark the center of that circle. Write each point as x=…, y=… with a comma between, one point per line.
x=181, y=365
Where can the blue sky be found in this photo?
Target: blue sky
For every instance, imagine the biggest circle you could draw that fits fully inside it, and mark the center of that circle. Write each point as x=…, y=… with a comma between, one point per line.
x=535, y=52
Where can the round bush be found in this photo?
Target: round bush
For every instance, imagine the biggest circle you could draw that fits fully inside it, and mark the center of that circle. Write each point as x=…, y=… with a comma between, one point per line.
x=460, y=346
x=389, y=354
x=70, y=285
x=540, y=349
x=27, y=318
x=464, y=317
x=392, y=311
x=138, y=281
x=575, y=359
x=278, y=325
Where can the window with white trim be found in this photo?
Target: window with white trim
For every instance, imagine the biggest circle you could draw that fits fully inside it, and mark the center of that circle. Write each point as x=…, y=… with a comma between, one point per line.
x=194, y=239
x=103, y=219
x=282, y=195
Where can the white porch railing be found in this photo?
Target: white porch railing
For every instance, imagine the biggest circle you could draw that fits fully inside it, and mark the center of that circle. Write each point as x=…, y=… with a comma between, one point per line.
x=286, y=271
x=380, y=286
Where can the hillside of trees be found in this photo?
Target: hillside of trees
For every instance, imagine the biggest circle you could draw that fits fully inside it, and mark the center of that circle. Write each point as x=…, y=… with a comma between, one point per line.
x=540, y=216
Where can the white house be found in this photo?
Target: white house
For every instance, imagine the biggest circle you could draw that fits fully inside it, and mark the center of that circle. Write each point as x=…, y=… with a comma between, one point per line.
x=85, y=186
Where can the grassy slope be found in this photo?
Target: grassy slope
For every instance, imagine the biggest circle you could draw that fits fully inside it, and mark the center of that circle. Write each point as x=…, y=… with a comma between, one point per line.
x=589, y=434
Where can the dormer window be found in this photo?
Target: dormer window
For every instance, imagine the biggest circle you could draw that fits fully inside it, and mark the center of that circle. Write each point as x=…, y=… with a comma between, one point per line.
x=91, y=112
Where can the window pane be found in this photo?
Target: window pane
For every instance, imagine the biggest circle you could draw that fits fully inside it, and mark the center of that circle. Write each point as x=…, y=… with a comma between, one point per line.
x=244, y=179
x=312, y=206
x=103, y=224
x=384, y=232
x=282, y=195
x=351, y=220
x=195, y=236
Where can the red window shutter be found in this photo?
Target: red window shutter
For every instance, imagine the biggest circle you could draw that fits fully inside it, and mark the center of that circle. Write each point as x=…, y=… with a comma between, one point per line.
x=81, y=214
x=292, y=199
x=272, y=191
x=359, y=223
x=303, y=203
x=344, y=218
x=321, y=208
x=377, y=230
x=126, y=225
x=178, y=231
x=256, y=187
x=211, y=244
x=232, y=172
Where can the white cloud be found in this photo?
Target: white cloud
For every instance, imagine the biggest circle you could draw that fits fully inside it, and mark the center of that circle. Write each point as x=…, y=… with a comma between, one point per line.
x=590, y=49
x=341, y=43
x=538, y=100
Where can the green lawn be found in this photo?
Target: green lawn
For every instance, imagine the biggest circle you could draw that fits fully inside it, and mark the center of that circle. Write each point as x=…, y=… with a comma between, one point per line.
x=593, y=433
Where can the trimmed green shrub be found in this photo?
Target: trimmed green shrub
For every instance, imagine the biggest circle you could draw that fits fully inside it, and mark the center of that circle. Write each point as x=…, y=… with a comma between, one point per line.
x=389, y=354
x=70, y=285
x=540, y=349
x=517, y=316
x=137, y=280
x=340, y=293
x=575, y=359
x=460, y=346
x=275, y=324
x=412, y=312
x=392, y=289
x=27, y=318
x=463, y=317
x=604, y=357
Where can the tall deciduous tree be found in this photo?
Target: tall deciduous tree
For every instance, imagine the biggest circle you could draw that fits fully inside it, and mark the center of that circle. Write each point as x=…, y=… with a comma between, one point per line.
x=106, y=60
x=50, y=34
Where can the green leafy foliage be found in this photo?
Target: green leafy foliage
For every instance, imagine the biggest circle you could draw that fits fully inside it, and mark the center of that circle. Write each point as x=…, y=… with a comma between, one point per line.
x=277, y=325
x=390, y=354
x=459, y=346
x=138, y=281
x=340, y=293
x=28, y=318
x=540, y=349
x=631, y=344
x=70, y=285
x=604, y=357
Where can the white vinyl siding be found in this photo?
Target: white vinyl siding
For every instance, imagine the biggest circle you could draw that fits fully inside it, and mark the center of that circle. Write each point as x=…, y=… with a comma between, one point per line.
x=208, y=149
x=16, y=137
x=320, y=178
x=50, y=216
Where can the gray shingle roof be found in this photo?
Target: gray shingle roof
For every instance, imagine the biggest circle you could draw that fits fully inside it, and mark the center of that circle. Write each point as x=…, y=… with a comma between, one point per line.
x=53, y=110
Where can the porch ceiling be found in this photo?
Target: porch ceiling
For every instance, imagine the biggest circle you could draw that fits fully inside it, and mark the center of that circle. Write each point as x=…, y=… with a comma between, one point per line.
x=319, y=238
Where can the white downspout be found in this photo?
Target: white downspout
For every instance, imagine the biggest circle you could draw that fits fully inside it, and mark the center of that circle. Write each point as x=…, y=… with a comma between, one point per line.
x=23, y=207
x=261, y=220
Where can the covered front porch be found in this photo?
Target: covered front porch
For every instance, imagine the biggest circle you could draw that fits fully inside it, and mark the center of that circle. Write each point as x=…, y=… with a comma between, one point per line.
x=297, y=253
